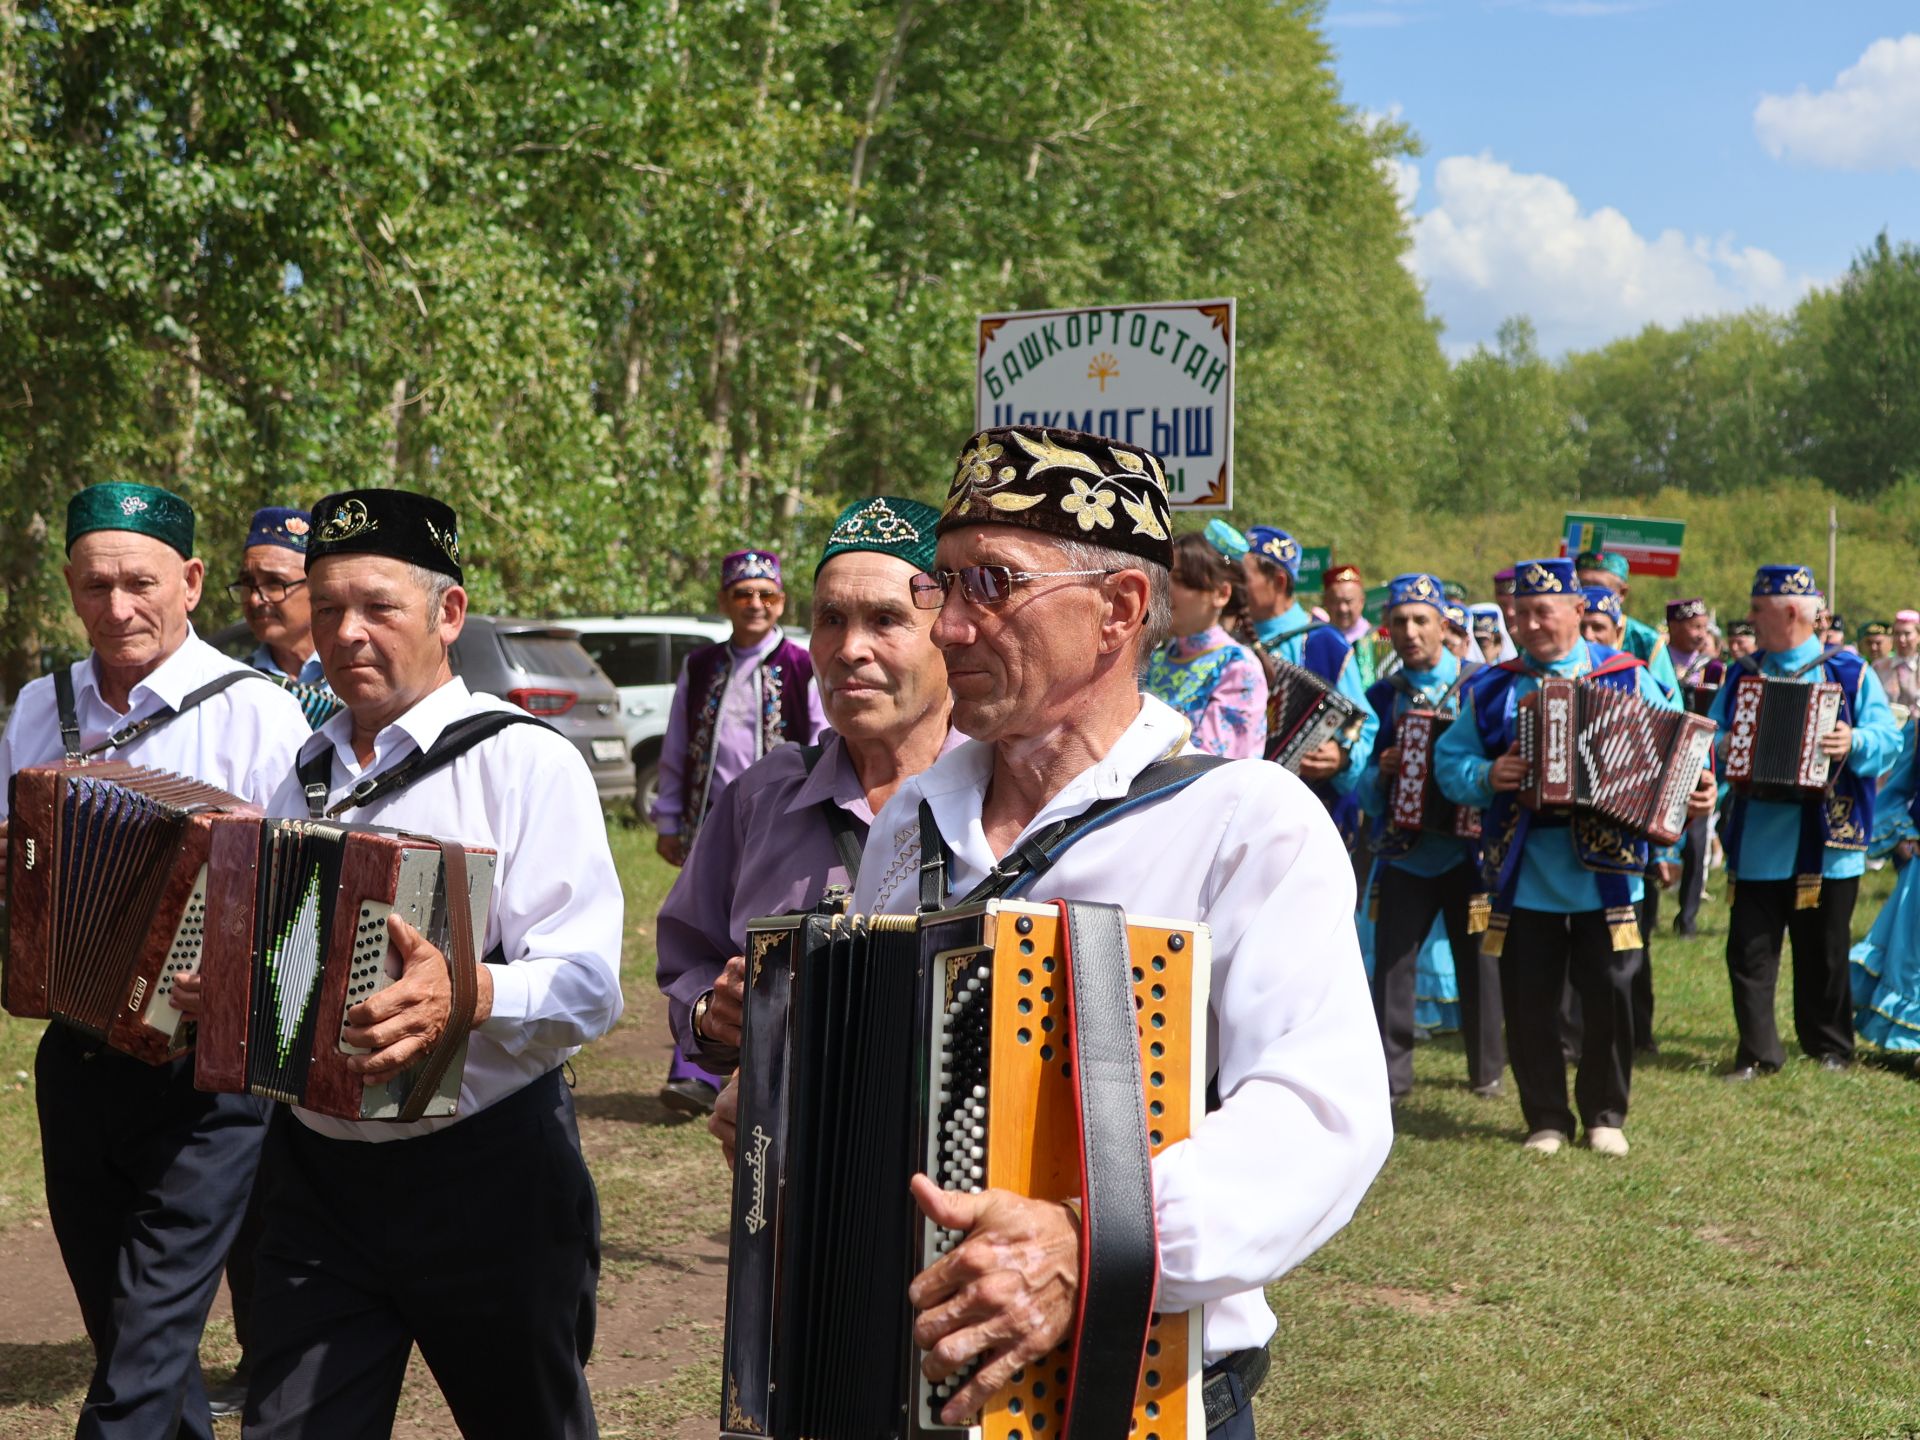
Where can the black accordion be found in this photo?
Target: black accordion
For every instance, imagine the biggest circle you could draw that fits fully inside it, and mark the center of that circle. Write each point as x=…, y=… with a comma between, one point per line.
x=1774, y=729
x=1595, y=748
x=1304, y=711
x=947, y=1044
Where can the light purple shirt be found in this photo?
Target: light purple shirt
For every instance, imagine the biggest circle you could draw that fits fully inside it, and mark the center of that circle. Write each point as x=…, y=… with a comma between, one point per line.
x=1360, y=628
x=736, y=740
x=764, y=849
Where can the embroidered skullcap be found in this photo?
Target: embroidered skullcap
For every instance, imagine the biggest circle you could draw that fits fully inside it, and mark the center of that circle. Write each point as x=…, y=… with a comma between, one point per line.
x=744, y=565
x=1456, y=614
x=1503, y=581
x=1544, y=577
x=1339, y=573
x=1875, y=627
x=399, y=524
x=1276, y=545
x=125, y=505
x=1601, y=601
x=280, y=525
x=1486, y=623
x=1227, y=540
x=1741, y=627
x=1685, y=609
x=887, y=525
x=1067, y=484
x=1610, y=561
x=1784, y=580
x=1417, y=588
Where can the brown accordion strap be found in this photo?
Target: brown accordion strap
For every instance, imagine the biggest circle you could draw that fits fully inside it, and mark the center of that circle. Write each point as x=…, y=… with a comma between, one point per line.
x=462, y=970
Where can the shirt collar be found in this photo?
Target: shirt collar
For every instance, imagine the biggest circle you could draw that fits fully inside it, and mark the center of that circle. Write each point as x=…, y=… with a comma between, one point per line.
x=422, y=725
x=263, y=661
x=176, y=677
x=758, y=652
x=834, y=778
x=1442, y=674
x=1800, y=653
x=1577, y=661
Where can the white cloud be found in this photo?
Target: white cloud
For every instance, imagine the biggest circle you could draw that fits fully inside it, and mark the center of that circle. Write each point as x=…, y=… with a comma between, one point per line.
x=1869, y=120
x=1496, y=243
x=1404, y=175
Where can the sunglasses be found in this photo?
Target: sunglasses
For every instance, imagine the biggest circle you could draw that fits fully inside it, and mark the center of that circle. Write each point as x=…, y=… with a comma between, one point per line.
x=982, y=584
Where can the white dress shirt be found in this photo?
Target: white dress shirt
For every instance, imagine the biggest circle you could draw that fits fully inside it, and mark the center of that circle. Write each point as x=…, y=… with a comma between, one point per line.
x=1247, y=848
x=556, y=909
x=243, y=739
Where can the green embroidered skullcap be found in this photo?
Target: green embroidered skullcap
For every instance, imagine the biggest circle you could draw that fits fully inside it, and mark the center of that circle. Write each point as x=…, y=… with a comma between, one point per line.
x=887, y=525
x=123, y=505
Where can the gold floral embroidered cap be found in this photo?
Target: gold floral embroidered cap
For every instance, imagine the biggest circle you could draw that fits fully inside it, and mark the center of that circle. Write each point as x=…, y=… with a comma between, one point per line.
x=400, y=524
x=1066, y=483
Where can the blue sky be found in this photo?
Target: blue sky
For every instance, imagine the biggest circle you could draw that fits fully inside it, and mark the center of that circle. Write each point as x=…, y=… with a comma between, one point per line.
x=1600, y=164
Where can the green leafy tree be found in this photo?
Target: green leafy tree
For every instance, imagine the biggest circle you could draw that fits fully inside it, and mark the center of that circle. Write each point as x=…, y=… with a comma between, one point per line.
x=1866, y=392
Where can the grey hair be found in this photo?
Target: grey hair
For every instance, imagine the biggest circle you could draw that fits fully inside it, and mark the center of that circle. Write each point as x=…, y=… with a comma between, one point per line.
x=1158, y=623
x=435, y=582
x=1808, y=607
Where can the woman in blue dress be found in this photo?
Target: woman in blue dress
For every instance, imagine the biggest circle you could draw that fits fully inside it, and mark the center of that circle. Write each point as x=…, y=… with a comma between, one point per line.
x=1886, y=965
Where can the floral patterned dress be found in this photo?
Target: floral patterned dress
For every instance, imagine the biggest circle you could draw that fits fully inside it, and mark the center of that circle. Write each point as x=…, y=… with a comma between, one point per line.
x=1217, y=683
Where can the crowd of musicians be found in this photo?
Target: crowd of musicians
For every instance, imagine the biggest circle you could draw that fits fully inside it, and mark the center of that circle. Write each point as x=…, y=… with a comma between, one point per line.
x=1002, y=684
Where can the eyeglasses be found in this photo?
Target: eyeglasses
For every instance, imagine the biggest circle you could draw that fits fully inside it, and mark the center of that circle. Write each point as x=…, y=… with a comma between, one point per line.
x=982, y=584
x=753, y=597
x=272, y=591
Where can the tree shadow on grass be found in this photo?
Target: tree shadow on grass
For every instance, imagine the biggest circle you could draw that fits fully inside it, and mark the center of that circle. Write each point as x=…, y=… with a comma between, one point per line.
x=1423, y=1122
x=630, y=1106
x=45, y=1373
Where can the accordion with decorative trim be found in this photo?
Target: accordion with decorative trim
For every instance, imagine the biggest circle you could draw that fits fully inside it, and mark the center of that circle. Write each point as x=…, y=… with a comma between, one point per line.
x=317, y=701
x=300, y=937
x=1774, y=729
x=107, y=897
x=1698, y=699
x=1415, y=802
x=1592, y=747
x=1304, y=711
x=875, y=1047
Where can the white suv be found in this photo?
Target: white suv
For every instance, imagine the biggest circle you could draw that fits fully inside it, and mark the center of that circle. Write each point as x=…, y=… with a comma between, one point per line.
x=642, y=655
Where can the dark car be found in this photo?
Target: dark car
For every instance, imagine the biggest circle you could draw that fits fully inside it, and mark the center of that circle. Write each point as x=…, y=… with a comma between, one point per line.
x=542, y=668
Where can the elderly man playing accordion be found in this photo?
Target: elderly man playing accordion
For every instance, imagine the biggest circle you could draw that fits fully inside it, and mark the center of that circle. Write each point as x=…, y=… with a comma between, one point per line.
x=1565, y=883
x=1795, y=868
x=1052, y=587
x=147, y=1177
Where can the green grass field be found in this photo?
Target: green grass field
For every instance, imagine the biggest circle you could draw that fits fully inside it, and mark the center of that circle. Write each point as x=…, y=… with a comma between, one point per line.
x=1746, y=1272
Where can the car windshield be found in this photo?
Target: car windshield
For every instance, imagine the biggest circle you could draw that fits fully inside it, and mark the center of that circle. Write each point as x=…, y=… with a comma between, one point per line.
x=548, y=655
x=637, y=659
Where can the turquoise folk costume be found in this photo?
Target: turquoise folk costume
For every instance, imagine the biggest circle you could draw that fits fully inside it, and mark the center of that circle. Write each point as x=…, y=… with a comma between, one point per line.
x=1886, y=965
x=1637, y=638
x=1217, y=683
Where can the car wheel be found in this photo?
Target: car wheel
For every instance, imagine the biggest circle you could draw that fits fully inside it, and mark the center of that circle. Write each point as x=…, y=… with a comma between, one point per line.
x=647, y=789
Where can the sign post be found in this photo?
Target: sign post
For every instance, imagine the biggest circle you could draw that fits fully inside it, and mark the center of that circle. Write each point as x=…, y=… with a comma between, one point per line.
x=1158, y=375
x=1652, y=547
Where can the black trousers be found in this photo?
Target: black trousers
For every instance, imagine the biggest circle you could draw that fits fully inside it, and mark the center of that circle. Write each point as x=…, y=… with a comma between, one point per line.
x=146, y=1181
x=246, y=1244
x=1648, y=911
x=1543, y=952
x=1408, y=905
x=1822, y=1000
x=1694, y=852
x=479, y=1242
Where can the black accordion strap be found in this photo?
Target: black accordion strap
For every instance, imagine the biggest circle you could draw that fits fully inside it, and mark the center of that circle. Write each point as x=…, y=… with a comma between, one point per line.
x=68, y=712
x=849, y=835
x=126, y=735
x=462, y=971
x=1119, y=1245
x=1034, y=856
x=454, y=741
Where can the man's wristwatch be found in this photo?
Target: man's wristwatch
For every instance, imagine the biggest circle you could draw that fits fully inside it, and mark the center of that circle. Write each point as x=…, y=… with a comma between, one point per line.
x=700, y=1008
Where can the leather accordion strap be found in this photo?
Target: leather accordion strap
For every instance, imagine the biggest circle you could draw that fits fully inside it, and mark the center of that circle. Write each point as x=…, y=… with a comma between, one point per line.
x=462, y=970
x=1119, y=1246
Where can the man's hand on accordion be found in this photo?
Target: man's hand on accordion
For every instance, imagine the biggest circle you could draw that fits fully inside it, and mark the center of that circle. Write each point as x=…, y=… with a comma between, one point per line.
x=1837, y=743
x=1389, y=759
x=1509, y=772
x=1004, y=1296
x=400, y=1024
x=1323, y=762
x=1700, y=802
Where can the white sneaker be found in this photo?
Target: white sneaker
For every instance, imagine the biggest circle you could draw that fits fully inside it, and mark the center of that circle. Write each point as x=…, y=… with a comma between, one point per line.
x=1546, y=1142
x=1606, y=1140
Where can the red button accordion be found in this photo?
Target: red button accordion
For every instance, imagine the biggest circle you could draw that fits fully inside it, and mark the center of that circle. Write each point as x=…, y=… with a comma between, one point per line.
x=300, y=937
x=1415, y=802
x=1592, y=747
x=1304, y=711
x=1774, y=729
x=108, y=885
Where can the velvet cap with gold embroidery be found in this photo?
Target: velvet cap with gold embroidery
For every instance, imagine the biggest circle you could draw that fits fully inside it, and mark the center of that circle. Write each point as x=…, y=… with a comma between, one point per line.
x=1065, y=483
x=1503, y=581
x=1272, y=543
x=1785, y=580
x=400, y=524
x=1601, y=601
x=1337, y=573
x=886, y=525
x=1688, y=609
x=1456, y=614
x=1611, y=561
x=1545, y=577
x=125, y=505
x=1417, y=588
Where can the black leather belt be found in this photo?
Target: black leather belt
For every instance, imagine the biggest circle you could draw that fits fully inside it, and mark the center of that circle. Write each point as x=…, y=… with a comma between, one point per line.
x=1216, y=1390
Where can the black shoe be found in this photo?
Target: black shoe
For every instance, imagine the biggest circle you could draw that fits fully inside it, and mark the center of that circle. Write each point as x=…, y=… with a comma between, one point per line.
x=1682, y=928
x=1646, y=1047
x=688, y=1096
x=1749, y=1072
x=228, y=1398
x=1835, y=1062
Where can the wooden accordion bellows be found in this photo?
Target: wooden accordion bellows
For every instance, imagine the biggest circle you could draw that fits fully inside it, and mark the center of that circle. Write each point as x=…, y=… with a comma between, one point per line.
x=1774, y=729
x=1304, y=711
x=878, y=1047
x=107, y=897
x=300, y=937
x=1592, y=747
x=1415, y=802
